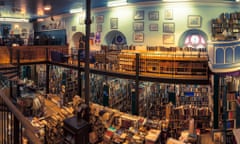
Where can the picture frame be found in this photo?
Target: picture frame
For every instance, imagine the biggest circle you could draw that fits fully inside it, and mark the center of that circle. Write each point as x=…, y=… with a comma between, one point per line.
x=168, y=27
x=138, y=37
x=138, y=26
x=168, y=14
x=168, y=38
x=74, y=28
x=99, y=27
x=139, y=15
x=194, y=21
x=153, y=27
x=153, y=15
x=218, y=136
x=114, y=23
x=99, y=19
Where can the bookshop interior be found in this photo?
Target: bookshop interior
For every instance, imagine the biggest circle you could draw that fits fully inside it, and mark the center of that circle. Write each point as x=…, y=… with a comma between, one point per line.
x=120, y=72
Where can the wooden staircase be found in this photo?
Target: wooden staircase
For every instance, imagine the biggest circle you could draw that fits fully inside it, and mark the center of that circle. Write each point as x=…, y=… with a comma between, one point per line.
x=9, y=72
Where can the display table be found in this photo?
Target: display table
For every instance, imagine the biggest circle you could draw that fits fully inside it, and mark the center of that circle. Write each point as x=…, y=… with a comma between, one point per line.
x=76, y=131
x=153, y=136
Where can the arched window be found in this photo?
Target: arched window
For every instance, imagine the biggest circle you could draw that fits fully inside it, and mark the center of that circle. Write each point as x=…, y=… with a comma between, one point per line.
x=193, y=38
x=195, y=41
x=229, y=55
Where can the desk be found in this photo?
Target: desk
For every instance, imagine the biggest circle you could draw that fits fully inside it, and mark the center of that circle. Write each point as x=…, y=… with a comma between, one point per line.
x=76, y=131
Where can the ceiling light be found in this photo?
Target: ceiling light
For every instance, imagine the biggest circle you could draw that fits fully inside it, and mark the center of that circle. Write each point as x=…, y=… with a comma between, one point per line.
x=117, y=3
x=77, y=10
x=47, y=7
x=4, y=19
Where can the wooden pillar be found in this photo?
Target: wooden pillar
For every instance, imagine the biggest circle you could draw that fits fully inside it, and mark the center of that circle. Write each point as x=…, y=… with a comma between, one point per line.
x=215, y=102
x=79, y=75
x=18, y=73
x=225, y=113
x=87, y=52
x=47, y=72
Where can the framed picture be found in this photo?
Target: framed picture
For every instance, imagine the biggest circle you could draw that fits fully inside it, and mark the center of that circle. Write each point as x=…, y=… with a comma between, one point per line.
x=168, y=14
x=99, y=27
x=74, y=28
x=168, y=38
x=138, y=26
x=194, y=21
x=138, y=36
x=153, y=15
x=218, y=137
x=153, y=27
x=168, y=27
x=100, y=19
x=114, y=23
x=139, y=15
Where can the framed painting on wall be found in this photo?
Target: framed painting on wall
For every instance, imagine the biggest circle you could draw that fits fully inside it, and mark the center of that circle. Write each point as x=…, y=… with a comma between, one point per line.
x=99, y=27
x=153, y=15
x=100, y=19
x=168, y=38
x=114, y=23
x=74, y=28
x=138, y=36
x=194, y=21
x=138, y=26
x=168, y=14
x=153, y=27
x=139, y=15
x=168, y=27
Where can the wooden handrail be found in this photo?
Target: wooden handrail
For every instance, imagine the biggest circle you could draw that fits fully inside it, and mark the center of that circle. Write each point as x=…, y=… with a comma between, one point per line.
x=29, y=129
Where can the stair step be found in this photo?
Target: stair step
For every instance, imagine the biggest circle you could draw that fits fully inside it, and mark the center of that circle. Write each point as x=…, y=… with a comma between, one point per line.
x=11, y=75
x=7, y=66
x=7, y=71
x=15, y=78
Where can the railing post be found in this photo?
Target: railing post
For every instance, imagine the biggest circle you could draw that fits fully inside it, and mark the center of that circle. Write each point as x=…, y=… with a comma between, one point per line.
x=16, y=131
x=11, y=54
x=47, y=56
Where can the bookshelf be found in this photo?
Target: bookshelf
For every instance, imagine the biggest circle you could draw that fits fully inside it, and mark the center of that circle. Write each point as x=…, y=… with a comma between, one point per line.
x=226, y=23
x=69, y=79
x=231, y=110
x=180, y=64
x=194, y=95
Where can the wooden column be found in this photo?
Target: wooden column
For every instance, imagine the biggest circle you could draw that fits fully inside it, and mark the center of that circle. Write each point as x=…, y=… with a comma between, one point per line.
x=79, y=75
x=87, y=52
x=215, y=102
x=47, y=72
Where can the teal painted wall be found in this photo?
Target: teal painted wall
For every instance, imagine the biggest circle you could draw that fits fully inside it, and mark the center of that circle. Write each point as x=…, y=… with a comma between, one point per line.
x=181, y=11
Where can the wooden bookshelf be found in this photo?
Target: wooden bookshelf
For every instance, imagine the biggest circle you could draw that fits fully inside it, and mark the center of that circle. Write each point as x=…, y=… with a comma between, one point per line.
x=169, y=64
